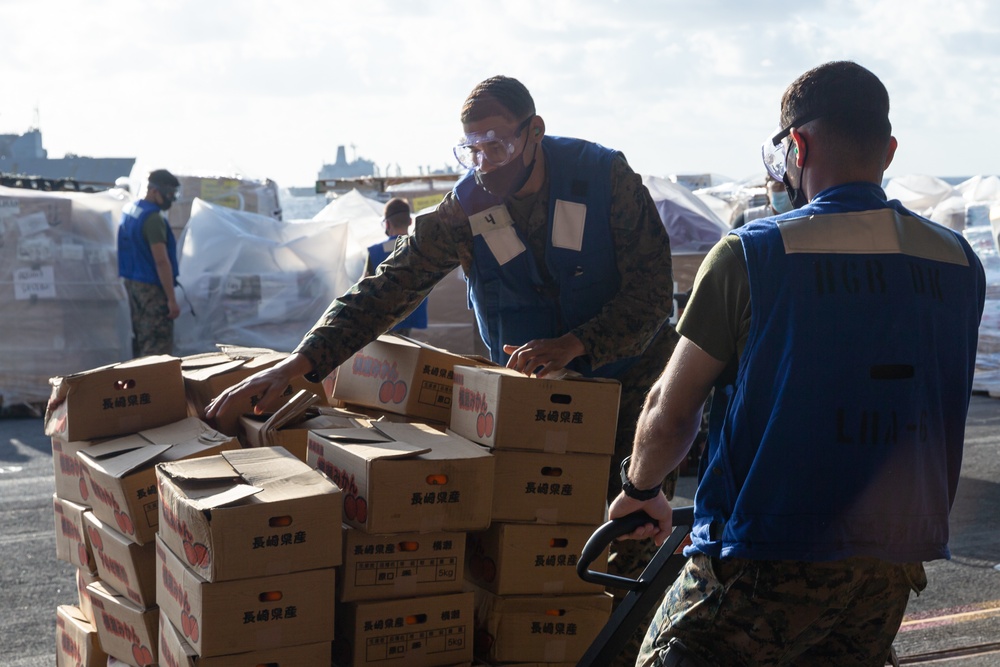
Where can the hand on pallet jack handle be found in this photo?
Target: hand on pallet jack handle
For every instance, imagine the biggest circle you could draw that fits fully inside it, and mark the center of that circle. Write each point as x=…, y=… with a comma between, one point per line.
x=598, y=543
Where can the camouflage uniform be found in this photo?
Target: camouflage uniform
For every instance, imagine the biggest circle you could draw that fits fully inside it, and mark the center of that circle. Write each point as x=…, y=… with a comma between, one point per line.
x=442, y=240
x=743, y=612
x=152, y=330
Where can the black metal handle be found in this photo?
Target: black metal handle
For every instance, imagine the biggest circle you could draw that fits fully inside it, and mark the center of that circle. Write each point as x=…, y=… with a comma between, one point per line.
x=683, y=517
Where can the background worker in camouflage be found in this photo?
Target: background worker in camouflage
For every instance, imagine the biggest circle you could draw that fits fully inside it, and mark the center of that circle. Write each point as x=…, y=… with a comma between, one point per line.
x=147, y=262
x=567, y=259
x=840, y=339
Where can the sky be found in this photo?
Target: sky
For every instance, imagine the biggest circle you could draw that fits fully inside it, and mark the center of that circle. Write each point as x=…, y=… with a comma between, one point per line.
x=271, y=88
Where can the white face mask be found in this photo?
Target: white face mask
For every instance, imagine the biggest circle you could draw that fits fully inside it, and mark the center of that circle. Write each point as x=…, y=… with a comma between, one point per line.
x=780, y=201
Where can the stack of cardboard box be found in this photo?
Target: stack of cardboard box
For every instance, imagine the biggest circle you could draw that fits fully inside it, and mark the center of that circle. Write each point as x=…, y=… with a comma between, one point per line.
x=411, y=493
x=552, y=441
x=245, y=559
x=109, y=427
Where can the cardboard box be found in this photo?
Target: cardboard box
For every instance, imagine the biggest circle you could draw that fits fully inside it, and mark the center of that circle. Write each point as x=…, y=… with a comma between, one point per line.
x=77, y=644
x=84, y=579
x=416, y=632
x=70, y=477
x=127, y=632
x=541, y=487
x=529, y=628
x=207, y=375
x=127, y=567
x=400, y=565
x=406, y=477
x=117, y=399
x=72, y=544
x=122, y=476
x=504, y=409
x=289, y=426
x=249, y=513
x=175, y=652
x=228, y=617
x=401, y=375
x=685, y=268
x=529, y=559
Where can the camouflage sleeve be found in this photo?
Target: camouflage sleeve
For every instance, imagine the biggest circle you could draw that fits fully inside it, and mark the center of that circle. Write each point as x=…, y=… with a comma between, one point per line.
x=627, y=323
x=441, y=241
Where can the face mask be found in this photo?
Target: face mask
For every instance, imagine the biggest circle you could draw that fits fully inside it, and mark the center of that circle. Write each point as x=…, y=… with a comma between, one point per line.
x=780, y=202
x=793, y=173
x=507, y=180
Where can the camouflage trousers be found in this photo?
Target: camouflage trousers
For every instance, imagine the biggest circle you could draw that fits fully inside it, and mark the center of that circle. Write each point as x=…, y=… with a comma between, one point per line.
x=743, y=612
x=152, y=330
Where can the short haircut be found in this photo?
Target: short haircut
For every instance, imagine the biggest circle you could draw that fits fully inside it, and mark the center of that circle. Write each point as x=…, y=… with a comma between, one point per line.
x=163, y=179
x=849, y=103
x=395, y=206
x=510, y=93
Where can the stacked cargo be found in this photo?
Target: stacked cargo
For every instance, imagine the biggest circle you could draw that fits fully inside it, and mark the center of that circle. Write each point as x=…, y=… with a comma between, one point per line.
x=58, y=270
x=245, y=559
x=109, y=427
x=552, y=441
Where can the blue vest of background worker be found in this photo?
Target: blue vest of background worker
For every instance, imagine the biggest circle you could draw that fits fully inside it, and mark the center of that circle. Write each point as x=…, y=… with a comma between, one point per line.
x=396, y=220
x=514, y=300
x=147, y=262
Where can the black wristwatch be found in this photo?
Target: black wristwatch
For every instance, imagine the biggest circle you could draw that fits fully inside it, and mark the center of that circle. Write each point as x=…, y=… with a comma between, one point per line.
x=628, y=488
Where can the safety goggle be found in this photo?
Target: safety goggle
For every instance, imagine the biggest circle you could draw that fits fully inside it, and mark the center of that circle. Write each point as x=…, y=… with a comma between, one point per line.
x=170, y=193
x=479, y=147
x=774, y=150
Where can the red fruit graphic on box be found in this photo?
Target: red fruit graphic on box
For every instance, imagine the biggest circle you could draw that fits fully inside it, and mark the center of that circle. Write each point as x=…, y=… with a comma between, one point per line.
x=186, y=624
x=350, y=506
x=84, y=489
x=95, y=538
x=143, y=656
x=385, y=392
x=481, y=425
x=488, y=424
x=194, y=629
x=196, y=553
x=399, y=393
x=84, y=556
x=362, y=509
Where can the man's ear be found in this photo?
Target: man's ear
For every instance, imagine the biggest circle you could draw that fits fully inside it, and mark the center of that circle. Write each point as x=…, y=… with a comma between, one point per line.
x=893, y=145
x=536, y=129
x=800, y=147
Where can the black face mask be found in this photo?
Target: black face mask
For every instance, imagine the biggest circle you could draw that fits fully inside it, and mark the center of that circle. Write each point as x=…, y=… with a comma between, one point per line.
x=793, y=181
x=168, y=199
x=507, y=180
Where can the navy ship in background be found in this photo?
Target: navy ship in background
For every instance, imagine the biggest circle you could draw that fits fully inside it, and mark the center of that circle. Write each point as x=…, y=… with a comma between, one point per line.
x=25, y=163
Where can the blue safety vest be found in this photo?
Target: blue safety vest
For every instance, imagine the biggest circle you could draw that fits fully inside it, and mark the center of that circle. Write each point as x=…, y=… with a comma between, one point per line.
x=377, y=254
x=842, y=434
x=513, y=304
x=135, y=259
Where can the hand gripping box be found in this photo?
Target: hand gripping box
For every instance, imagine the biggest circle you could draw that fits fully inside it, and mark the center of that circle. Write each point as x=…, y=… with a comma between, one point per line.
x=77, y=644
x=249, y=513
x=406, y=477
x=529, y=559
x=401, y=375
x=504, y=409
x=127, y=631
x=123, y=565
x=122, y=476
x=117, y=399
x=416, y=632
x=400, y=565
x=227, y=617
x=538, y=628
x=207, y=375
x=175, y=652
x=290, y=424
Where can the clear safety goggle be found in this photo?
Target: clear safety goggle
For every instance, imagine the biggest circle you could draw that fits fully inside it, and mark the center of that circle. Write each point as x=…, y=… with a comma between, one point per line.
x=774, y=150
x=479, y=147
